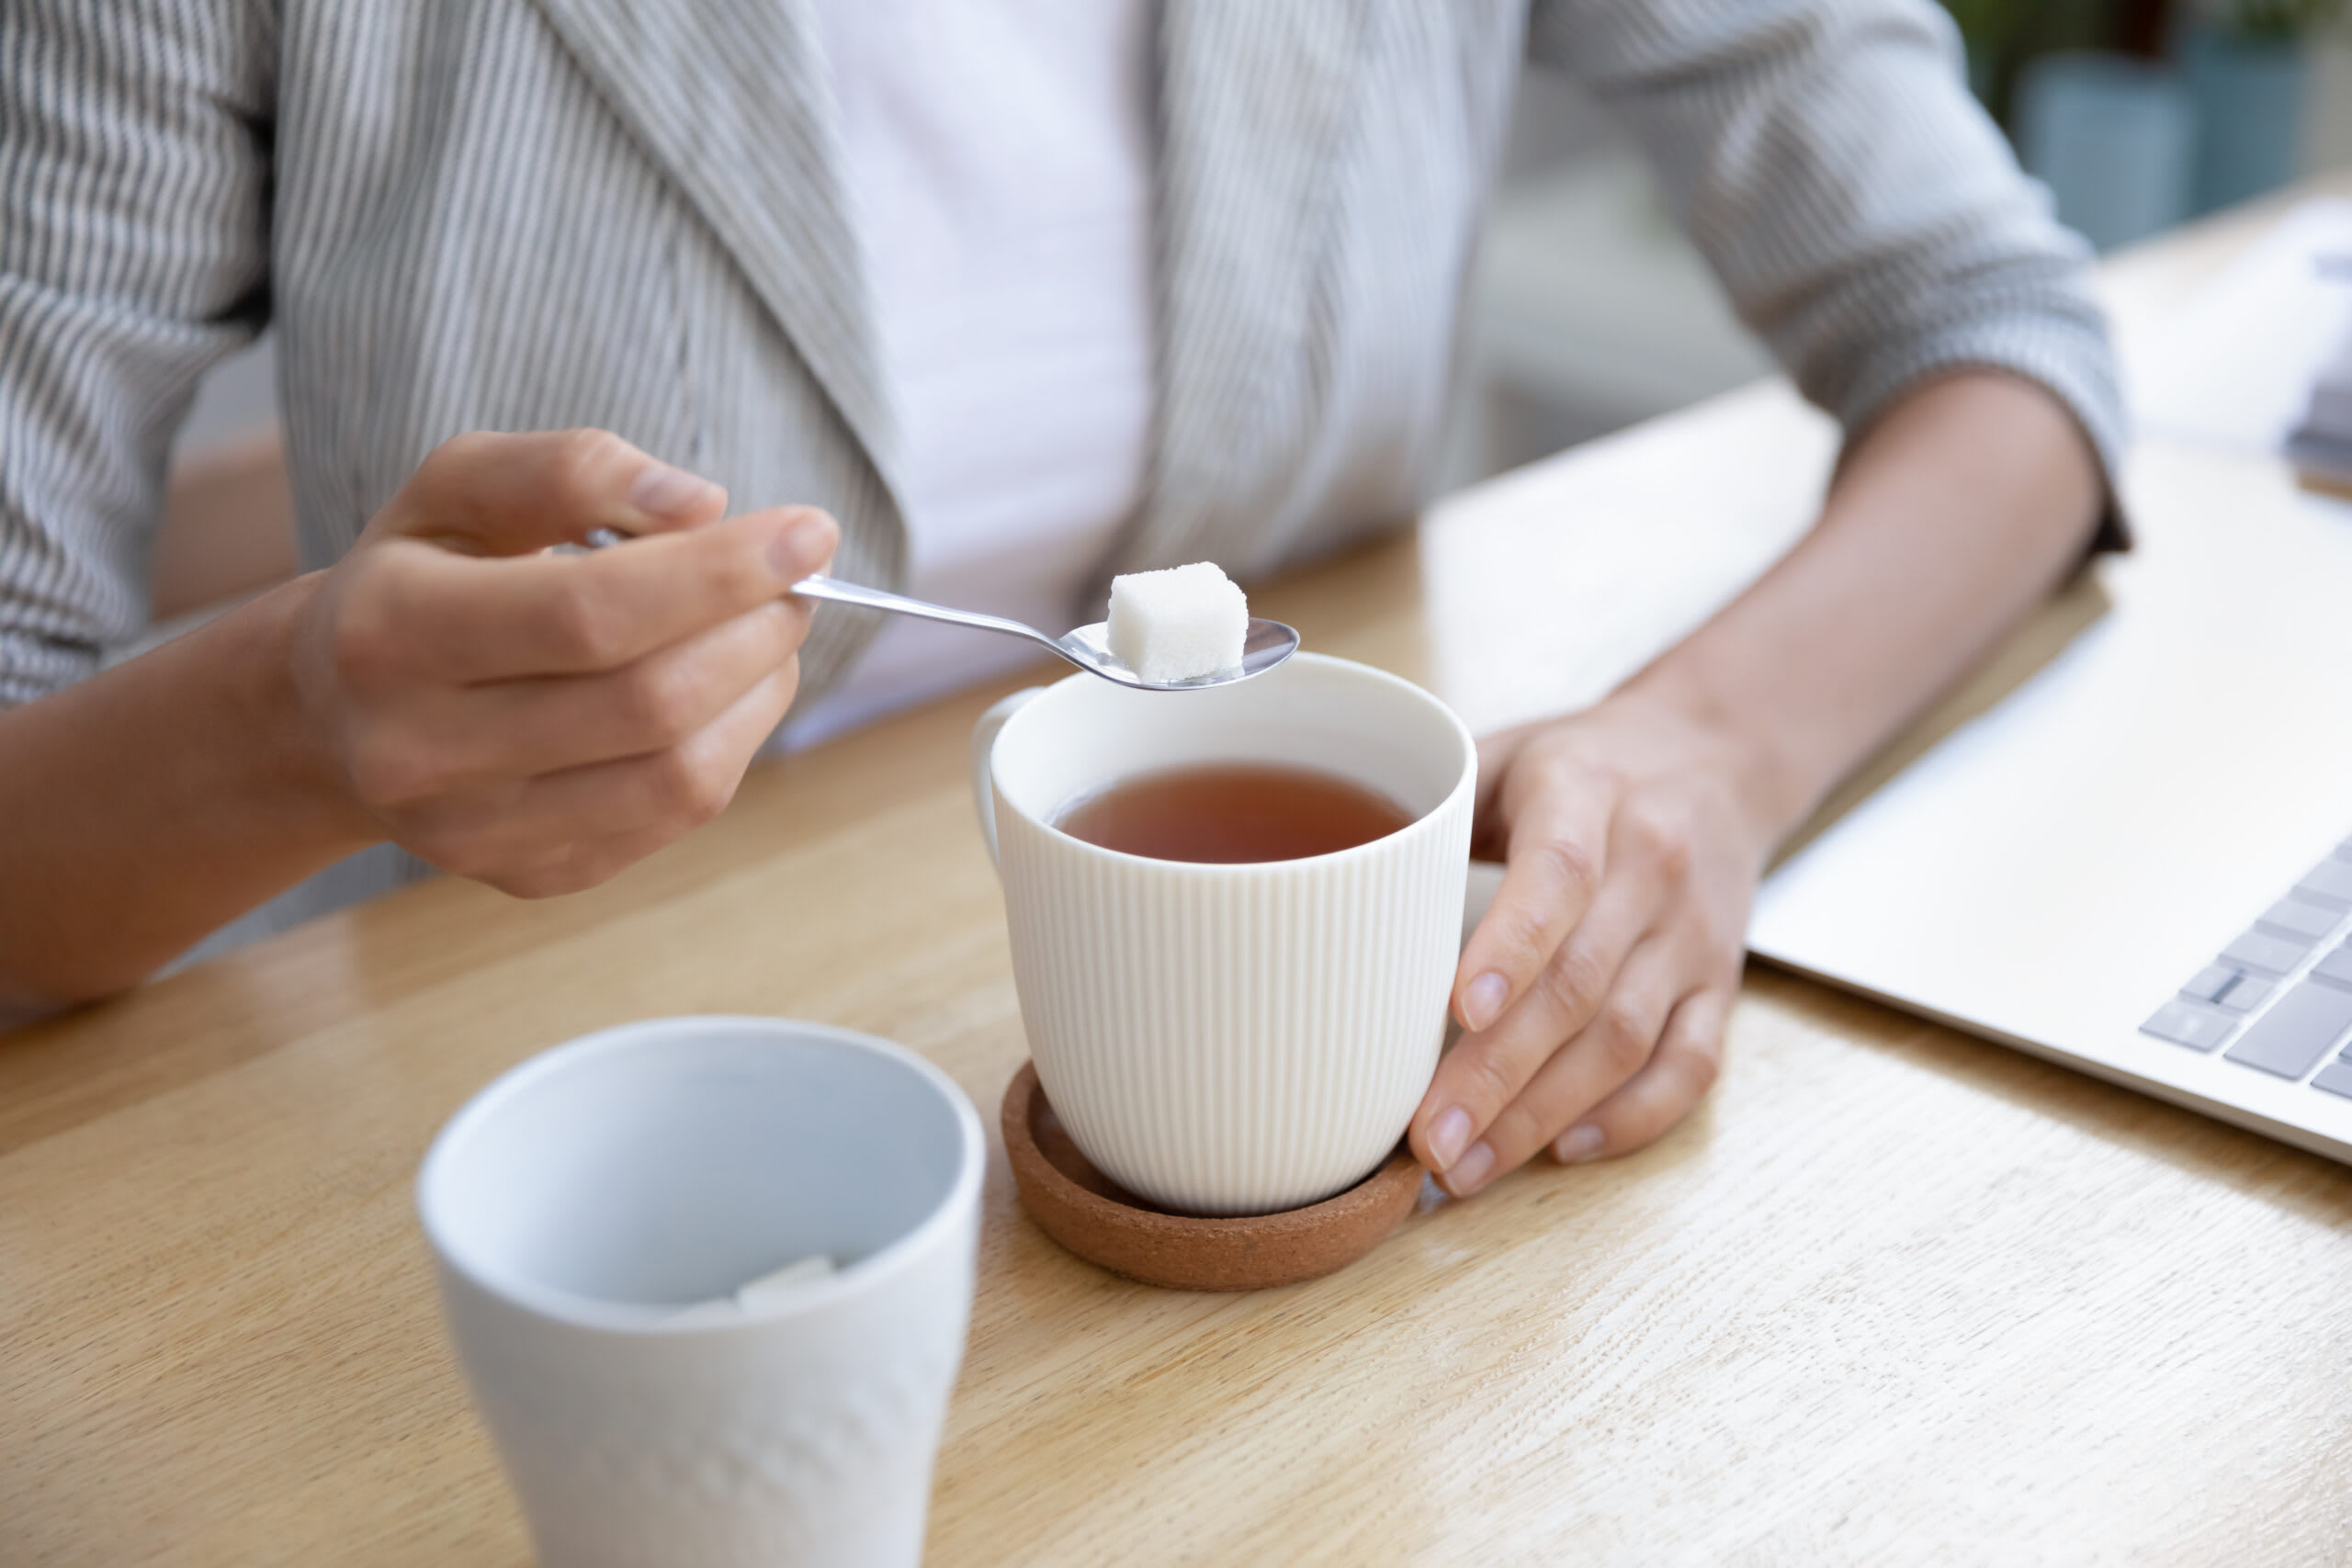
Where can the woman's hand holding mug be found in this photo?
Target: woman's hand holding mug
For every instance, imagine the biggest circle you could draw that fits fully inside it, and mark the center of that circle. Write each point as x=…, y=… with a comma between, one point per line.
x=1594, y=992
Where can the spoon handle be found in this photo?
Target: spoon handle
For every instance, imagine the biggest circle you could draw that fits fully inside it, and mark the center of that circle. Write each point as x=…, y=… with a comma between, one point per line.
x=839, y=593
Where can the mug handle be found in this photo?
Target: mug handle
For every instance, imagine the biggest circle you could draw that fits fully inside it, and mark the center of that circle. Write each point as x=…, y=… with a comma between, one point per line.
x=984, y=736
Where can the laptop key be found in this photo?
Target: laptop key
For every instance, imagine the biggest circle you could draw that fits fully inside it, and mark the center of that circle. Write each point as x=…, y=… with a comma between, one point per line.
x=2296, y=1033
x=2209, y=983
x=2337, y=1079
x=2328, y=883
x=2185, y=1023
x=2336, y=967
x=2290, y=917
x=2270, y=955
x=2249, y=992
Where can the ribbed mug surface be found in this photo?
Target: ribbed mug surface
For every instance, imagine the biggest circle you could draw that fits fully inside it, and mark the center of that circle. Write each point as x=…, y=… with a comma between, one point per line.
x=1235, y=1039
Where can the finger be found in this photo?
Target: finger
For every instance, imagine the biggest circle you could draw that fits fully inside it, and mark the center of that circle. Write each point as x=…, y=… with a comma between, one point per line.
x=1485, y=1071
x=666, y=792
x=1556, y=860
x=454, y=738
x=487, y=494
x=559, y=832
x=577, y=866
x=1605, y=1054
x=432, y=614
x=1488, y=839
x=655, y=702
x=1679, y=1072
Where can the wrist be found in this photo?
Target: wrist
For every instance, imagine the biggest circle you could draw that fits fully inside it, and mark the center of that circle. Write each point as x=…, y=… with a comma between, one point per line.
x=289, y=752
x=1772, y=790
x=156, y=800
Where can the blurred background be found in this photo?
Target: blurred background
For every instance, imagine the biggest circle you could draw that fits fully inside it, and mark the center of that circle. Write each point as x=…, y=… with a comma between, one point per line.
x=1590, y=311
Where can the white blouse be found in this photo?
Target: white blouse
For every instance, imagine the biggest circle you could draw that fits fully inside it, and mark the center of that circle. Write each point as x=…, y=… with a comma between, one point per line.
x=998, y=159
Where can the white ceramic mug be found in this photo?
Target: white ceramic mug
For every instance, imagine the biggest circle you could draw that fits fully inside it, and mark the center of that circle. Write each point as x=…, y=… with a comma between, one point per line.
x=581, y=1200
x=1232, y=1039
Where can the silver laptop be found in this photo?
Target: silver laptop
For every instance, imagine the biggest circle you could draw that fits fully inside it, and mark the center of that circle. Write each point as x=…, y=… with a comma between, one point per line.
x=2140, y=862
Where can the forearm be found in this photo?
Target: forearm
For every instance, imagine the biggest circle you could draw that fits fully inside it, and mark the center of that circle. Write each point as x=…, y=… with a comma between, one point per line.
x=1957, y=511
x=144, y=807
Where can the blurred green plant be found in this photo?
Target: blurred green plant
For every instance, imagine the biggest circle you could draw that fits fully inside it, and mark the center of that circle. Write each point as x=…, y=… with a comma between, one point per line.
x=1998, y=26
x=2280, y=18
x=1989, y=24
x=2002, y=35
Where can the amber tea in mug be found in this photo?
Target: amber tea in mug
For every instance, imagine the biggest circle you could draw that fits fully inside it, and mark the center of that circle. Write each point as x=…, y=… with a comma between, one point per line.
x=1232, y=813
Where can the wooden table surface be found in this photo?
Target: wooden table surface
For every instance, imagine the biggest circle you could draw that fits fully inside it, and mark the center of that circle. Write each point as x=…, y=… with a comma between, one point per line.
x=1893, y=1295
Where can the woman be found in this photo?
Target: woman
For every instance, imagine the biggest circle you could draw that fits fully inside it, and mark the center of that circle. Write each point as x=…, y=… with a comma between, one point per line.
x=1022, y=294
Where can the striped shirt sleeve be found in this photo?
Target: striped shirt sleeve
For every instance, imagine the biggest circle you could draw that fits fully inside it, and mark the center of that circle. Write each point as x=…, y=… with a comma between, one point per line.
x=1866, y=216
x=135, y=192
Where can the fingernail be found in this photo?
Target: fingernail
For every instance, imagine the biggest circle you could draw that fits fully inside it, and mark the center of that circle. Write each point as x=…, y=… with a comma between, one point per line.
x=1447, y=1134
x=665, y=491
x=1483, y=1000
x=803, y=545
x=1463, y=1178
x=1578, y=1144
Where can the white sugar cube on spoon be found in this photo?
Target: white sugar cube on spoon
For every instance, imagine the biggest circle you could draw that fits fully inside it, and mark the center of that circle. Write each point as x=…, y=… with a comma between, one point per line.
x=1178, y=625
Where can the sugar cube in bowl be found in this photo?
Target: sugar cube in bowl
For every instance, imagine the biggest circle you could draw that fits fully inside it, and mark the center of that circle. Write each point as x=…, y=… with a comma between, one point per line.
x=1178, y=625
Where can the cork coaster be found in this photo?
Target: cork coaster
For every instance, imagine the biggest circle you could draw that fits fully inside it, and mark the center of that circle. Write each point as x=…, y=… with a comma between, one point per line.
x=1094, y=1217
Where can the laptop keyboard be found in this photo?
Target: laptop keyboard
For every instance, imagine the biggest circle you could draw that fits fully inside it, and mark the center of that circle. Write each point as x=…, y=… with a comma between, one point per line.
x=2279, y=997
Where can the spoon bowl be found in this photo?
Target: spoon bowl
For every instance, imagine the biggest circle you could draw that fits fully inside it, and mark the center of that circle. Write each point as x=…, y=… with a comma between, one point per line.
x=1264, y=646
